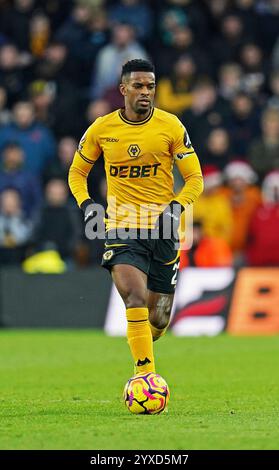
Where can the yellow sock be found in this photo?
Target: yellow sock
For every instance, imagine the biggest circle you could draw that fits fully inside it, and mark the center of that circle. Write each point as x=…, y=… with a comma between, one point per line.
x=140, y=339
x=157, y=332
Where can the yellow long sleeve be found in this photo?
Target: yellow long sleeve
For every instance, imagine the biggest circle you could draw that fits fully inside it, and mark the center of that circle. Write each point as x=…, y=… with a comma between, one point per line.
x=78, y=174
x=190, y=170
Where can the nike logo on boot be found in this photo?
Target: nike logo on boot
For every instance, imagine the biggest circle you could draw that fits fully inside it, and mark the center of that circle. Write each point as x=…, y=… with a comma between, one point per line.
x=142, y=363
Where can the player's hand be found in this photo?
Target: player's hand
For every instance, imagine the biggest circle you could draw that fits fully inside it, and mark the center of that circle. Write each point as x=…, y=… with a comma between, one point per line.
x=88, y=210
x=94, y=220
x=168, y=221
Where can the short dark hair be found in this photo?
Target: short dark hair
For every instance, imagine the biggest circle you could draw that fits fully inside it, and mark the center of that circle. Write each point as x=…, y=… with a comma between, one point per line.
x=137, y=65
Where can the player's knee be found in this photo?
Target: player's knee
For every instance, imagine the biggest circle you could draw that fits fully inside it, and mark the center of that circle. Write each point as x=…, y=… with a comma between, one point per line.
x=160, y=322
x=160, y=311
x=135, y=299
x=159, y=318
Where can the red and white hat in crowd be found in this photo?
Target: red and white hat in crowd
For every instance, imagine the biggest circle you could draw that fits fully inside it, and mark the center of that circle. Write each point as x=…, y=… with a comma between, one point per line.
x=270, y=187
x=212, y=176
x=240, y=169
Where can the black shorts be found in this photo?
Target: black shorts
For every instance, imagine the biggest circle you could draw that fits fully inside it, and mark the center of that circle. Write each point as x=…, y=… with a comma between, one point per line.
x=159, y=259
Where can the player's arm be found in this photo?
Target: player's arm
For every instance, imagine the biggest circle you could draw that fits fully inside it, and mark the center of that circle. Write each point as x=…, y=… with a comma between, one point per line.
x=188, y=165
x=85, y=156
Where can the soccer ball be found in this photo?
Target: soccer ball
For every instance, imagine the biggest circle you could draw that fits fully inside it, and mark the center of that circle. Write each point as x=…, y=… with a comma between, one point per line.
x=146, y=394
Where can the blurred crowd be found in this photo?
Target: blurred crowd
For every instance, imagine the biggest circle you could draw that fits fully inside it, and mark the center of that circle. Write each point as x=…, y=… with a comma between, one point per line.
x=217, y=68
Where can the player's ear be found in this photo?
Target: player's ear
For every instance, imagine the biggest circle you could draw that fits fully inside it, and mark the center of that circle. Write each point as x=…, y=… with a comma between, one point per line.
x=122, y=88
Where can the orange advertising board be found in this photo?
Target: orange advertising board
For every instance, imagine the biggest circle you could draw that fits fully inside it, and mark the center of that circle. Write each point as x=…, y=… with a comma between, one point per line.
x=255, y=302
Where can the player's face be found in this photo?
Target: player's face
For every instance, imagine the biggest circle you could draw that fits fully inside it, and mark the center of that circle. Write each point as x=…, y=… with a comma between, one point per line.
x=139, y=90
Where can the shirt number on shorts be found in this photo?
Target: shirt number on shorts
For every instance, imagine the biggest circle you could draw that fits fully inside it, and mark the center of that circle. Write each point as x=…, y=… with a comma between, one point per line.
x=174, y=277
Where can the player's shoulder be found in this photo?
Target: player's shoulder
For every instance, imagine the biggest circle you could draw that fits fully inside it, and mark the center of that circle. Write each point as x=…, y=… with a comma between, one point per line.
x=166, y=117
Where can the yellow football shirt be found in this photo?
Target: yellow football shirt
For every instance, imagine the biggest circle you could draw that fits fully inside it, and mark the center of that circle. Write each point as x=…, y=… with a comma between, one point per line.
x=139, y=158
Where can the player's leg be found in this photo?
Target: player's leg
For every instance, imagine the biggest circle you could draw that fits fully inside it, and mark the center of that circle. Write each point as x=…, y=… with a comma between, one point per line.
x=131, y=284
x=159, y=307
x=161, y=283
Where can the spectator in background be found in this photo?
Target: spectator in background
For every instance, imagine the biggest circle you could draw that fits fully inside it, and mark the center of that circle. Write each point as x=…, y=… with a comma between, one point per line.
x=39, y=34
x=58, y=225
x=84, y=32
x=5, y=113
x=96, y=109
x=268, y=22
x=170, y=20
x=15, y=21
x=42, y=95
x=113, y=97
x=243, y=124
x=183, y=43
x=263, y=243
x=273, y=101
x=264, y=152
x=99, y=35
x=225, y=47
x=173, y=14
x=254, y=68
x=213, y=208
x=174, y=92
x=206, y=252
x=14, y=73
x=58, y=71
x=207, y=112
x=275, y=55
x=230, y=80
x=15, y=229
x=14, y=176
x=134, y=12
x=50, y=106
x=122, y=48
x=57, y=65
x=244, y=198
x=59, y=168
x=216, y=10
x=197, y=17
x=35, y=139
x=217, y=151
x=245, y=9
x=56, y=10
x=74, y=31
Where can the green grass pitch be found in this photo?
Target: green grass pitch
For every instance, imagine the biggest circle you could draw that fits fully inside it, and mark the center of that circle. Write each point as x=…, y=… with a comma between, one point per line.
x=63, y=390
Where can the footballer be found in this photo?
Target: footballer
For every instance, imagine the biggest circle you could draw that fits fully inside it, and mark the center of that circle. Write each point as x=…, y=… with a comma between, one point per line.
x=140, y=145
